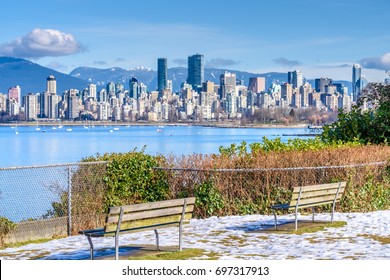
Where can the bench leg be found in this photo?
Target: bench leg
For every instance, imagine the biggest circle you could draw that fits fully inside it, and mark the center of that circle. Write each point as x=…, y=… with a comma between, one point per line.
x=331, y=217
x=117, y=247
x=296, y=218
x=180, y=237
x=312, y=210
x=275, y=218
x=90, y=247
x=157, y=240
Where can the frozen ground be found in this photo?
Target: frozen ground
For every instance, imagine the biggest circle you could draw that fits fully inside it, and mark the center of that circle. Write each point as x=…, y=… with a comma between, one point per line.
x=366, y=236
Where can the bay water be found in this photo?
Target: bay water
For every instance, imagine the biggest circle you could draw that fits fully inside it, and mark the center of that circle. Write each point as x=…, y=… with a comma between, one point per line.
x=33, y=145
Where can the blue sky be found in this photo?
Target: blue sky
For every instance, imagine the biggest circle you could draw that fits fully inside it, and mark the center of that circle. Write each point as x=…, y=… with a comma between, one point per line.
x=320, y=38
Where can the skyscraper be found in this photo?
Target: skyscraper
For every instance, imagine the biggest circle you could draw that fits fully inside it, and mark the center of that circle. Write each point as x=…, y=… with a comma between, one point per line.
x=295, y=78
x=195, y=70
x=92, y=91
x=133, y=84
x=31, y=106
x=162, y=74
x=51, y=85
x=256, y=84
x=356, y=81
x=321, y=83
x=15, y=94
x=227, y=84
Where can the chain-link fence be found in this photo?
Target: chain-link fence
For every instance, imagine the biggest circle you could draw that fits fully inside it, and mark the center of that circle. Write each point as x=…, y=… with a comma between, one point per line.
x=60, y=200
x=253, y=190
x=39, y=199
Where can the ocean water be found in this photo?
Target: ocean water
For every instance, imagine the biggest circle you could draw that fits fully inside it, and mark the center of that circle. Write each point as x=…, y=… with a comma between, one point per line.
x=28, y=193
x=33, y=145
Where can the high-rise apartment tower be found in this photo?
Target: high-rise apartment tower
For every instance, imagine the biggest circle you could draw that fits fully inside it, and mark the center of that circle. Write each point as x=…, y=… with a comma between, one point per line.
x=195, y=70
x=162, y=74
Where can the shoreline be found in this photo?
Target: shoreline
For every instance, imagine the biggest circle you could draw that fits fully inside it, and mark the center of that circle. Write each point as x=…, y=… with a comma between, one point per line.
x=108, y=123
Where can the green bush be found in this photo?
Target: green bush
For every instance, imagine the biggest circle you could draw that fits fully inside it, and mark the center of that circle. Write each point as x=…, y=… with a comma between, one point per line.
x=368, y=122
x=131, y=178
x=6, y=226
x=209, y=201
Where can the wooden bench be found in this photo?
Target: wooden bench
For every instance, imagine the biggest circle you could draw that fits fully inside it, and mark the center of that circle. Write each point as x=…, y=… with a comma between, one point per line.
x=142, y=217
x=311, y=196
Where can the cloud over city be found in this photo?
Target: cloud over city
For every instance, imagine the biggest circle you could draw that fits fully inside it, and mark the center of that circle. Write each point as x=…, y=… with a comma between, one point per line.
x=42, y=43
x=180, y=62
x=286, y=62
x=379, y=63
x=221, y=62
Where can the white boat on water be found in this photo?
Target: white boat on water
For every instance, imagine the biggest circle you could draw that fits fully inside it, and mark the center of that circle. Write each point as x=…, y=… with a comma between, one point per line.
x=68, y=129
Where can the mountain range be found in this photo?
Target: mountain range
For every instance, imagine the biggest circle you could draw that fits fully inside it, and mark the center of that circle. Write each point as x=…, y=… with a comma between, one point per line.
x=31, y=77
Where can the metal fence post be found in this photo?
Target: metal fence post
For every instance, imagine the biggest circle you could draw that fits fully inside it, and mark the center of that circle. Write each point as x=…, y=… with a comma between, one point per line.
x=69, y=201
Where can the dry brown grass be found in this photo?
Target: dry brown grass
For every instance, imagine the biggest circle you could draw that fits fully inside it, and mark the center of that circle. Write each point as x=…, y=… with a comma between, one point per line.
x=252, y=191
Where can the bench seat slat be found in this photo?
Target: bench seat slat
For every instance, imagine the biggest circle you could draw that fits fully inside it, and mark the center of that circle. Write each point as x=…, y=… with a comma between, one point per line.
x=150, y=214
x=288, y=206
x=140, y=229
x=125, y=225
x=151, y=205
x=314, y=200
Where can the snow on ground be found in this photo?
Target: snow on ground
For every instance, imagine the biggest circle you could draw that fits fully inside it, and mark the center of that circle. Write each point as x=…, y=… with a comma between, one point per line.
x=240, y=237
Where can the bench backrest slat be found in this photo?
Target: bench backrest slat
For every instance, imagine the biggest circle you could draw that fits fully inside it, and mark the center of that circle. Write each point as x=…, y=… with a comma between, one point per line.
x=149, y=214
x=318, y=194
x=151, y=205
x=320, y=187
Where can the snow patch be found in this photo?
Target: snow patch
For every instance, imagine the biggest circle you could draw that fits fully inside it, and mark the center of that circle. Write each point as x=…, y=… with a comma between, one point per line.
x=241, y=237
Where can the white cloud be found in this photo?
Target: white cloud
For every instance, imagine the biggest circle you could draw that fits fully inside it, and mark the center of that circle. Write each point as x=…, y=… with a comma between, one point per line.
x=286, y=62
x=380, y=63
x=41, y=43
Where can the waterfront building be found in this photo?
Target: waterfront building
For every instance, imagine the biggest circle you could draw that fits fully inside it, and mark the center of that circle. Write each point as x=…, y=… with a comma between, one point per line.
x=162, y=74
x=344, y=102
x=295, y=78
x=31, y=106
x=195, y=70
x=256, y=84
x=170, y=85
x=53, y=102
x=227, y=84
x=3, y=103
x=356, y=82
x=296, y=100
x=103, y=111
x=304, y=90
x=287, y=92
x=208, y=87
x=315, y=99
x=15, y=94
x=51, y=85
x=103, y=96
x=111, y=89
x=119, y=88
x=92, y=91
x=73, y=108
x=321, y=83
x=133, y=85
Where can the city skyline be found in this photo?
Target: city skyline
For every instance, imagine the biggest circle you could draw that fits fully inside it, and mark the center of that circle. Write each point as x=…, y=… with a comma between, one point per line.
x=316, y=37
